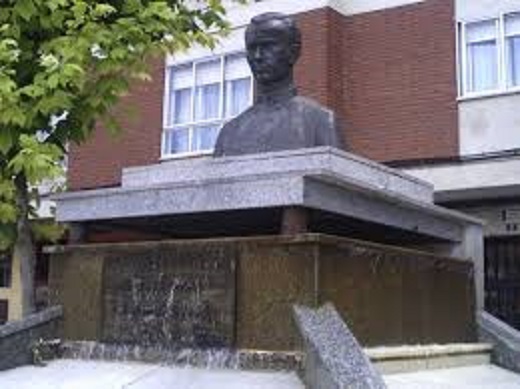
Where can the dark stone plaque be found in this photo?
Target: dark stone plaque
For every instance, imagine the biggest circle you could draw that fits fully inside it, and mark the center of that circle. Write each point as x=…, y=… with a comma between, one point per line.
x=170, y=296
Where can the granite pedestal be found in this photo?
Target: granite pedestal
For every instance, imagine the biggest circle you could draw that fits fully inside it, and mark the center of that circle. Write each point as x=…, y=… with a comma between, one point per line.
x=239, y=292
x=340, y=194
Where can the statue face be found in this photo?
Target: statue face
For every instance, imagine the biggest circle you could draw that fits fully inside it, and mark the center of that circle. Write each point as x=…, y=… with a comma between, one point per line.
x=270, y=53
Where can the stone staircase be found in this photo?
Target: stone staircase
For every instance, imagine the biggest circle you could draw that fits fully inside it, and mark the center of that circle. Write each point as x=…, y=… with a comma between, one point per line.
x=406, y=359
x=451, y=366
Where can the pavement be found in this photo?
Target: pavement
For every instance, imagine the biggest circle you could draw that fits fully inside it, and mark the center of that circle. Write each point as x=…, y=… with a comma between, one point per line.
x=474, y=377
x=74, y=374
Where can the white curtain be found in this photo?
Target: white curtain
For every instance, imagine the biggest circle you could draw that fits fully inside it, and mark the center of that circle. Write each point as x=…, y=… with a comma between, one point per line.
x=207, y=102
x=181, y=106
x=177, y=141
x=179, y=110
x=237, y=96
x=513, y=58
x=482, y=61
x=204, y=138
x=482, y=55
x=512, y=29
x=207, y=92
x=238, y=85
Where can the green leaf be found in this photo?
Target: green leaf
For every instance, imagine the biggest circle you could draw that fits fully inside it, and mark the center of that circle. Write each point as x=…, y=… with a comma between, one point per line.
x=47, y=231
x=103, y=10
x=25, y=9
x=6, y=140
x=8, y=213
x=7, y=236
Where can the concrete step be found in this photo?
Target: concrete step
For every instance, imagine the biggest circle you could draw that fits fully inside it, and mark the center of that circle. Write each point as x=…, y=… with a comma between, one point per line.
x=468, y=377
x=404, y=359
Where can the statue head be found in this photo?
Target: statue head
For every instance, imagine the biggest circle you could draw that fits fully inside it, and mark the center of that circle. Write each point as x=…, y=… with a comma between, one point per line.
x=273, y=43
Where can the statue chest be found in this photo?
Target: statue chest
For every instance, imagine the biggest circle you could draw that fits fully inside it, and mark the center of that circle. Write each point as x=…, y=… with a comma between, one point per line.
x=275, y=127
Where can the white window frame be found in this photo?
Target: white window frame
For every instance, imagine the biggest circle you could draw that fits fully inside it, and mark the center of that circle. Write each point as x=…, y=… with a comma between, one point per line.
x=506, y=37
x=221, y=120
x=462, y=59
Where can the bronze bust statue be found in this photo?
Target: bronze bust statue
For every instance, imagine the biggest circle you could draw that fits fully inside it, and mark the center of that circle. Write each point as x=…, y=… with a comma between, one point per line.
x=279, y=118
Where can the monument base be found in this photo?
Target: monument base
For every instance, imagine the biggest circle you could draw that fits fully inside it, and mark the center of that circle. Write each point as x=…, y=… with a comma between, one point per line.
x=239, y=292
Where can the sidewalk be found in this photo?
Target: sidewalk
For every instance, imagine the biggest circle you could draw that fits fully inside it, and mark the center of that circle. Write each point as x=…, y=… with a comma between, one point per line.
x=74, y=374
x=474, y=377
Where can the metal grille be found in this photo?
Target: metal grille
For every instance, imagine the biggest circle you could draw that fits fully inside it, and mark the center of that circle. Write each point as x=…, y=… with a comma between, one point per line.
x=502, y=278
x=5, y=270
x=4, y=307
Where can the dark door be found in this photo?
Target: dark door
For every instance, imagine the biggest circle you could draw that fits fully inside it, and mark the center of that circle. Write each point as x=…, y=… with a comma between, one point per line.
x=4, y=306
x=502, y=278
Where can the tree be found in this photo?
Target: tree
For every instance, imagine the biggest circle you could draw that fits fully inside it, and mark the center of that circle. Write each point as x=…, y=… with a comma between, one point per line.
x=63, y=65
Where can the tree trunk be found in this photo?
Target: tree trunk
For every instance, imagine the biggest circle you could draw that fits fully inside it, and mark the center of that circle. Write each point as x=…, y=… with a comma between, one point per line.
x=24, y=246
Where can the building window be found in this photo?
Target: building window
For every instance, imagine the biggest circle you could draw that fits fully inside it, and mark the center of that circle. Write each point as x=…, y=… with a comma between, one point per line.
x=202, y=96
x=489, y=55
x=5, y=270
x=512, y=42
x=482, y=49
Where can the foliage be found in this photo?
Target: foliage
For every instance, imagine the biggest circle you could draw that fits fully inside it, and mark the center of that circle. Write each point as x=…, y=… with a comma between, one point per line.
x=65, y=63
x=63, y=66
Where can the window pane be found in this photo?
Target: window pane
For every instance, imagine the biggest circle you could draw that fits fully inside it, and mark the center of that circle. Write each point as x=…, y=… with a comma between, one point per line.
x=482, y=72
x=208, y=72
x=237, y=96
x=207, y=93
x=207, y=102
x=204, y=138
x=512, y=24
x=177, y=141
x=182, y=77
x=513, y=60
x=237, y=67
x=179, y=110
x=180, y=107
x=481, y=31
x=202, y=94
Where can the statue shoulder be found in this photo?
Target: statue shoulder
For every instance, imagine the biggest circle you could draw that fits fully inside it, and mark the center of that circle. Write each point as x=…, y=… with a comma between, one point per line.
x=312, y=107
x=239, y=120
x=231, y=131
x=324, y=123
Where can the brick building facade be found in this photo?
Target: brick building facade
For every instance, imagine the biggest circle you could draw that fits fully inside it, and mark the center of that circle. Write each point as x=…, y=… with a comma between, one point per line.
x=431, y=86
x=389, y=73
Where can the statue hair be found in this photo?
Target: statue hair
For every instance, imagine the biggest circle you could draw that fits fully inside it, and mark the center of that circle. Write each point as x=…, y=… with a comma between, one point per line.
x=286, y=23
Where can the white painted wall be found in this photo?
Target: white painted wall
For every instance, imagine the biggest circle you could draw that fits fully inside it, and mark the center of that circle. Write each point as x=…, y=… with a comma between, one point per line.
x=489, y=124
x=239, y=15
x=470, y=175
x=492, y=123
x=352, y=7
x=468, y=10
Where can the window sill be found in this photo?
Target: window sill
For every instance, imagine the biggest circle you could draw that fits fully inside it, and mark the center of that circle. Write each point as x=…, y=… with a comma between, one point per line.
x=489, y=94
x=186, y=155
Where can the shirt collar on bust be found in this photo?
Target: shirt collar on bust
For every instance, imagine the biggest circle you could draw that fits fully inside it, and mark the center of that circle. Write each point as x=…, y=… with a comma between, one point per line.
x=277, y=96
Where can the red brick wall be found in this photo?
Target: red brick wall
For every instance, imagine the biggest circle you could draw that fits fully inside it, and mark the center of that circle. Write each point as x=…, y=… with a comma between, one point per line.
x=399, y=82
x=98, y=162
x=390, y=74
x=319, y=71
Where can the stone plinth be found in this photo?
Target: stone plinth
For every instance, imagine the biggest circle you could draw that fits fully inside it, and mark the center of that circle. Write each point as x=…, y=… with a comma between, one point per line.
x=149, y=294
x=390, y=295
x=339, y=193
